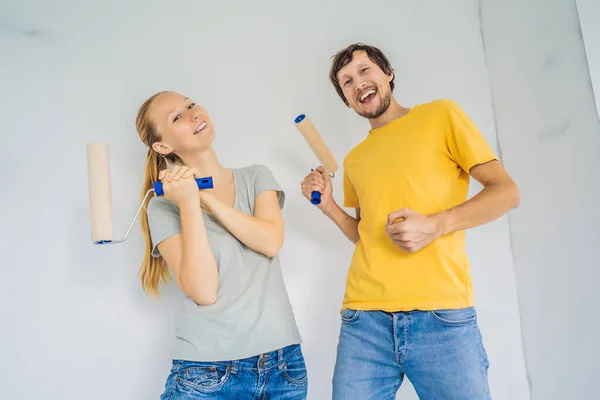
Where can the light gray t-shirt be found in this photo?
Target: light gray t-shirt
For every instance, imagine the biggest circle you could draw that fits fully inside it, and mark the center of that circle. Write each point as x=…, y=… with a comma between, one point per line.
x=252, y=314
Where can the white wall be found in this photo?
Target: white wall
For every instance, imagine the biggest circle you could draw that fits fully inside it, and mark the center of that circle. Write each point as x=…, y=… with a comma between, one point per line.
x=589, y=20
x=75, y=321
x=550, y=141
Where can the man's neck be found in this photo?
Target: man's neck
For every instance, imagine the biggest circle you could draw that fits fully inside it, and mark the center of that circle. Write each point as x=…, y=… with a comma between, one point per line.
x=393, y=112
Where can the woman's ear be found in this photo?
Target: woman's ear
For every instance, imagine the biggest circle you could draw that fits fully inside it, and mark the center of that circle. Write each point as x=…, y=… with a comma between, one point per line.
x=161, y=148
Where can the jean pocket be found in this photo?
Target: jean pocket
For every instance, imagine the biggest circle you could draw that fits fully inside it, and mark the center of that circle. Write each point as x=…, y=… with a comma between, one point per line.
x=294, y=370
x=457, y=317
x=204, y=378
x=349, y=315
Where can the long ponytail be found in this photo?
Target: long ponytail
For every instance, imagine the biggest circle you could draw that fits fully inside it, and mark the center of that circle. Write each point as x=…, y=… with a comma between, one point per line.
x=154, y=270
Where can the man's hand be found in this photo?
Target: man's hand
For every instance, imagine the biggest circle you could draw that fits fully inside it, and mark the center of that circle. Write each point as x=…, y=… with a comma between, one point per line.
x=320, y=181
x=414, y=231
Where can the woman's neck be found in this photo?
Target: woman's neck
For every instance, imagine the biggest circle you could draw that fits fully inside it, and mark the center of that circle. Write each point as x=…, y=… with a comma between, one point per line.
x=207, y=164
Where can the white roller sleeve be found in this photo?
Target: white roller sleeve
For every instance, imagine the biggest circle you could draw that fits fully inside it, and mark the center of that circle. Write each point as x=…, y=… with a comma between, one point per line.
x=317, y=144
x=101, y=218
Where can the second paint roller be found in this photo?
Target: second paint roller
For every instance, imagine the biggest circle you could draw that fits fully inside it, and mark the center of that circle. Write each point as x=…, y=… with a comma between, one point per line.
x=101, y=216
x=319, y=148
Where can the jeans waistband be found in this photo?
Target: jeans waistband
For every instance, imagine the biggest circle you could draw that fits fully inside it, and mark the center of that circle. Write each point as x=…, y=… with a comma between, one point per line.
x=266, y=361
x=260, y=363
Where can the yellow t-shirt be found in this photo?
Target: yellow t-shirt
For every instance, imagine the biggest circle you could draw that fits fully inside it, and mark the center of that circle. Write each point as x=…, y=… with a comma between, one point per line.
x=419, y=161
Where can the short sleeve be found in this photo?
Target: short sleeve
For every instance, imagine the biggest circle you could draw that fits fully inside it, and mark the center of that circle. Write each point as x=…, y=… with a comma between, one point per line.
x=163, y=221
x=264, y=180
x=350, y=197
x=466, y=144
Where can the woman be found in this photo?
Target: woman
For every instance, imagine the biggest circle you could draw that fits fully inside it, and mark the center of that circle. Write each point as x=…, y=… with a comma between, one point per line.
x=237, y=337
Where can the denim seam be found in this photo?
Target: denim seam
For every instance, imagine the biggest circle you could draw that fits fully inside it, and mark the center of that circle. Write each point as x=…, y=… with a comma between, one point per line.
x=171, y=390
x=205, y=389
x=450, y=322
x=486, y=361
x=353, y=318
x=394, y=333
x=293, y=381
x=296, y=352
x=407, y=334
x=174, y=381
x=291, y=354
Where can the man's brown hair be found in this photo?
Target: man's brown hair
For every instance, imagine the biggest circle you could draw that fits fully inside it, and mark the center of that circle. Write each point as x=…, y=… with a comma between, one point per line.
x=345, y=56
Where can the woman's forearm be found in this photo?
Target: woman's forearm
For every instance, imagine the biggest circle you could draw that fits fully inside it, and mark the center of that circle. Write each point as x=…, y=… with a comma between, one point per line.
x=198, y=273
x=260, y=235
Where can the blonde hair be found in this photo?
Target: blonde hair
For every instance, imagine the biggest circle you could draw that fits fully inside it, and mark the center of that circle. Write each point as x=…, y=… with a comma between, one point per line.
x=153, y=270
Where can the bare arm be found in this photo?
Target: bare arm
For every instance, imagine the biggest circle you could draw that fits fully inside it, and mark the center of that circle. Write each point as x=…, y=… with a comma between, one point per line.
x=499, y=195
x=347, y=224
x=262, y=232
x=320, y=180
x=190, y=257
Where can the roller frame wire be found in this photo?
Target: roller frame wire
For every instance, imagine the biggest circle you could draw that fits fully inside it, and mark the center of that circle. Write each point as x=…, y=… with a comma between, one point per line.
x=137, y=214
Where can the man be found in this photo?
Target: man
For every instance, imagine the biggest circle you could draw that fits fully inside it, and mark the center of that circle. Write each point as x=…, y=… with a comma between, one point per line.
x=408, y=307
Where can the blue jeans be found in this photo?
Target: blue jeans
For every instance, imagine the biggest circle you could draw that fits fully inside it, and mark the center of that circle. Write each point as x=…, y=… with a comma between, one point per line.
x=279, y=374
x=440, y=352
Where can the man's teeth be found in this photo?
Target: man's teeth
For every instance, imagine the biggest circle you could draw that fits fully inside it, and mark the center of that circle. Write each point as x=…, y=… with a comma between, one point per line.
x=366, y=94
x=200, y=127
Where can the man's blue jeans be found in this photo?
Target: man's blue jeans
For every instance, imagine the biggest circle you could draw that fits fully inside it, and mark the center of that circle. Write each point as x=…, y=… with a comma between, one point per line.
x=440, y=352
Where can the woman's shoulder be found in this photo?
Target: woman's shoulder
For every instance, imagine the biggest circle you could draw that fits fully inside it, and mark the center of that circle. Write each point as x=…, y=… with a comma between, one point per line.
x=254, y=168
x=254, y=171
x=158, y=204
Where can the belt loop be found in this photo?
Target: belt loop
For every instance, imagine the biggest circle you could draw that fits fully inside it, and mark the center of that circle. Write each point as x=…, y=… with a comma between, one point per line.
x=234, y=366
x=179, y=366
x=280, y=359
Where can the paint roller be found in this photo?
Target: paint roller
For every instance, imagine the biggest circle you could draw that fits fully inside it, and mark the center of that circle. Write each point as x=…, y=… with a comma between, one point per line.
x=318, y=147
x=101, y=216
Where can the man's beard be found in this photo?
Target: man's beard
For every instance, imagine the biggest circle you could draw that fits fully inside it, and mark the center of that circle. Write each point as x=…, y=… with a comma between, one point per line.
x=387, y=99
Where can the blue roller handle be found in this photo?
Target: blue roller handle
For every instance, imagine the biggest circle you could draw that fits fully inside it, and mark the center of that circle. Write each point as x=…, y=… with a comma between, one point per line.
x=203, y=183
x=315, y=198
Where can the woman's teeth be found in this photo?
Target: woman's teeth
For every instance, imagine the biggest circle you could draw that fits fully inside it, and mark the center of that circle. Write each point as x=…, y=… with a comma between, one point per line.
x=200, y=127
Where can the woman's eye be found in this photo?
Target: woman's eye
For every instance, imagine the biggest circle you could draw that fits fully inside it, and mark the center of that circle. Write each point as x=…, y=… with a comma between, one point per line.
x=192, y=105
x=177, y=118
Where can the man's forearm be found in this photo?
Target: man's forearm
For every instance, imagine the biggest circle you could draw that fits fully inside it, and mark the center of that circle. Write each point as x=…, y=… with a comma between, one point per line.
x=492, y=202
x=347, y=224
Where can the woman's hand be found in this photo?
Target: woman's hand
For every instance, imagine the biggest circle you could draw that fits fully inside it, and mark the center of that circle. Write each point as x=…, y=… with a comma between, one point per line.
x=179, y=185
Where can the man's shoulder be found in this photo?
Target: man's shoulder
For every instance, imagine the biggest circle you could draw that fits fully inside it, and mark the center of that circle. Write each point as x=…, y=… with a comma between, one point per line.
x=436, y=105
